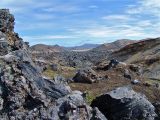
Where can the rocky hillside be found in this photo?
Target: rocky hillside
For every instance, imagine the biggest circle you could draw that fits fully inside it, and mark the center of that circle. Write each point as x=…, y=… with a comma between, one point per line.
x=41, y=48
x=145, y=53
x=113, y=46
x=84, y=47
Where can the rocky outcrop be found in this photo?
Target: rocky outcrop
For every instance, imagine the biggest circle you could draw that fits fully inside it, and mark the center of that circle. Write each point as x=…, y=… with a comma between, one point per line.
x=125, y=104
x=9, y=40
x=6, y=21
x=24, y=93
x=86, y=75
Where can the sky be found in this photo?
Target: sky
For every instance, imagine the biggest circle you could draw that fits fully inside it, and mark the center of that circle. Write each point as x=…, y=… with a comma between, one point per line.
x=77, y=22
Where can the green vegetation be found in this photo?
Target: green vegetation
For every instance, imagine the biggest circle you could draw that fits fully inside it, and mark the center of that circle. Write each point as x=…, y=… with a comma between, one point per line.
x=90, y=97
x=50, y=73
x=67, y=72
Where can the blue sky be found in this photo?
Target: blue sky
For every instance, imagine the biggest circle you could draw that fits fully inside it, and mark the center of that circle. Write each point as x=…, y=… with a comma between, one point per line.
x=76, y=22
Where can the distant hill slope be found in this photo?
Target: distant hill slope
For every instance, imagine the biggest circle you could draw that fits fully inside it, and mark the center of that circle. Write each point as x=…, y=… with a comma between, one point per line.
x=145, y=52
x=47, y=48
x=57, y=48
x=110, y=47
x=84, y=47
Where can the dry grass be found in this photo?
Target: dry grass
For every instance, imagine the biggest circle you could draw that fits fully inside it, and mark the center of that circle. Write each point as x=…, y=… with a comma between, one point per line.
x=116, y=80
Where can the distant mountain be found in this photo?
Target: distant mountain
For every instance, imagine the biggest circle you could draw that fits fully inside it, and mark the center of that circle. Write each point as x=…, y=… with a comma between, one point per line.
x=47, y=48
x=84, y=47
x=57, y=48
x=113, y=46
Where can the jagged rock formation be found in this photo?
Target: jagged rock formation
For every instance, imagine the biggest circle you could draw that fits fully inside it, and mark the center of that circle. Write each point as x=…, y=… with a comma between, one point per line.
x=125, y=104
x=24, y=93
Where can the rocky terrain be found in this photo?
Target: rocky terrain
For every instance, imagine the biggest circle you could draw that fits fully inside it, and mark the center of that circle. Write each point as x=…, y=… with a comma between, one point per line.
x=32, y=86
x=79, y=56
x=145, y=53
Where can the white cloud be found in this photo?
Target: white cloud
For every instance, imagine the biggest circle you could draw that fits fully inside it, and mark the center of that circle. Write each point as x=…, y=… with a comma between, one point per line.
x=47, y=37
x=144, y=23
x=151, y=3
x=20, y=26
x=62, y=8
x=23, y=6
x=134, y=10
x=44, y=16
x=93, y=6
x=100, y=32
x=116, y=17
x=141, y=29
x=9, y=2
x=151, y=7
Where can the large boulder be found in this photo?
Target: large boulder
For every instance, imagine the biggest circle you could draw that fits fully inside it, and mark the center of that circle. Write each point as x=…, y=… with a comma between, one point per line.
x=86, y=75
x=125, y=104
x=136, y=68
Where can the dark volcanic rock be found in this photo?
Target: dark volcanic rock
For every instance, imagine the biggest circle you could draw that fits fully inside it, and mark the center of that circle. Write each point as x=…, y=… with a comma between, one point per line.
x=125, y=104
x=86, y=75
x=54, y=67
x=97, y=115
x=157, y=106
x=24, y=93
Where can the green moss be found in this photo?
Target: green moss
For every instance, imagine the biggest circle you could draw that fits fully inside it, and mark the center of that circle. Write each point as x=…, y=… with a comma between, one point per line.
x=90, y=97
x=50, y=73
